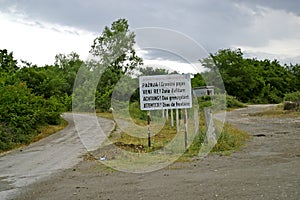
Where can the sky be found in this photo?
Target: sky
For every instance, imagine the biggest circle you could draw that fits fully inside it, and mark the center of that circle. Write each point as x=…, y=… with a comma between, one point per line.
x=37, y=30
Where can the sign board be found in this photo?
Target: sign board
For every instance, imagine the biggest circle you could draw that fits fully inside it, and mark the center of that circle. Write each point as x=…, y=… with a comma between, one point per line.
x=203, y=91
x=165, y=92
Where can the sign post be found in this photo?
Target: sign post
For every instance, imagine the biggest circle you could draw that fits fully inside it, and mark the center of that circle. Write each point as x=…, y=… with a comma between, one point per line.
x=165, y=92
x=149, y=136
x=172, y=118
x=185, y=127
x=177, y=120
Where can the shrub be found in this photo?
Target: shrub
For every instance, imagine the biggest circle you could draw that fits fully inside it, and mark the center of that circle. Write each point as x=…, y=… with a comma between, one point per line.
x=219, y=102
x=22, y=114
x=233, y=102
x=293, y=96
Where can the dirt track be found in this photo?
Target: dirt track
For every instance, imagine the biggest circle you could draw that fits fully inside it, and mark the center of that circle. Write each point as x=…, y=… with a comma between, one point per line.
x=267, y=168
x=48, y=156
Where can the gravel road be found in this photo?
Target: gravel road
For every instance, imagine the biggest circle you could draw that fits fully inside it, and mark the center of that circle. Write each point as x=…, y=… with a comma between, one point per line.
x=50, y=155
x=268, y=167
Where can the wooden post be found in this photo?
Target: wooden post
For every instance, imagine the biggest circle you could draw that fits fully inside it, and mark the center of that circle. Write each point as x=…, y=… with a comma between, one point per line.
x=163, y=113
x=172, y=118
x=167, y=114
x=210, y=127
x=185, y=127
x=149, y=136
x=177, y=120
x=196, y=119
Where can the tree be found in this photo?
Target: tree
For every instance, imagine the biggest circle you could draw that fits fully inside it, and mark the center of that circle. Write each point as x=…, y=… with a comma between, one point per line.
x=114, y=53
x=115, y=48
x=8, y=67
x=295, y=70
x=251, y=80
x=149, y=71
x=68, y=66
x=7, y=62
x=22, y=110
x=198, y=80
x=239, y=79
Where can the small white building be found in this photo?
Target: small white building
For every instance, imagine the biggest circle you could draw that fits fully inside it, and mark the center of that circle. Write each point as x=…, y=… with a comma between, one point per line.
x=203, y=91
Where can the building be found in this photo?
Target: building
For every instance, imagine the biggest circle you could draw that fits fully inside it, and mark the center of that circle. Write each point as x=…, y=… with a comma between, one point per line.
x=203, y=91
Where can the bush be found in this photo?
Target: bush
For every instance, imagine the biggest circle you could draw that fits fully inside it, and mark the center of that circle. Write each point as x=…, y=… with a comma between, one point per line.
x=232, y=102
x=22, y=114
x=136, y=112
x=5, y=138
x=293, y=96
x=219, y=102
x=230, y=139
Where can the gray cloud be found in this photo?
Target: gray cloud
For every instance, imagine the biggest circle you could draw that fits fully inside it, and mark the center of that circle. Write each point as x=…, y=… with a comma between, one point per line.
x=213, y=23
x=292, y=6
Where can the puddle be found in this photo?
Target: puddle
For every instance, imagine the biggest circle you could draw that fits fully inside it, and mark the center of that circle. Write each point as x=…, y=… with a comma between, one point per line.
x=259, y=135
x=281, y=132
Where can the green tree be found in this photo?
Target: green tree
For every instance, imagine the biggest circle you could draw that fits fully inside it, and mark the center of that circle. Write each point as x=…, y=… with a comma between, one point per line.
x=114, y=53
x=8, y=67
x=198, y=80
x=239, y=79
x=277, y=79
x=7, y=62
x=114, y=48
x=250, y=80
x=295, y=70
x=68, y=67
x=22, y=110
x=149, y=71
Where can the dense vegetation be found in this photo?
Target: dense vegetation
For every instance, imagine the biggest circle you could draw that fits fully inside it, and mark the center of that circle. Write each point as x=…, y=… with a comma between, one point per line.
x=252, y=80
x=33, y=96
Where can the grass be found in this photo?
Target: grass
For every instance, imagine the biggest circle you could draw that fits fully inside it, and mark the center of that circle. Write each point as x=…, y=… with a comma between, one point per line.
x=167, y=145
x=231, y=139
x=168, y=140
x=158, y=140
x=105, y=115
x=277, y=111
x=137, y=140
x=47, y=130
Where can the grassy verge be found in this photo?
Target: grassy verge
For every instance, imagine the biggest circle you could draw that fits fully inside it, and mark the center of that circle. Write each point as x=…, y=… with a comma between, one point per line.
x=105, y=115
x=277, y=111
x=229, y=139
x=45, y=131
x=131, y=145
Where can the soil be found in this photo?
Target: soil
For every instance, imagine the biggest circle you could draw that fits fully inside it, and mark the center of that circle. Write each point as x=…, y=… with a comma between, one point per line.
x=267, y=167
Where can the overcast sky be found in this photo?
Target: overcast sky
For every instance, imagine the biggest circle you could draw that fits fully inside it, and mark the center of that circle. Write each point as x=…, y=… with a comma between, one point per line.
x=36, y=30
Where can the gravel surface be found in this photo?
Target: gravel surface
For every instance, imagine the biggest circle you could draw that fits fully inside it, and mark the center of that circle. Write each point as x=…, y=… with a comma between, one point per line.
x=268, y=167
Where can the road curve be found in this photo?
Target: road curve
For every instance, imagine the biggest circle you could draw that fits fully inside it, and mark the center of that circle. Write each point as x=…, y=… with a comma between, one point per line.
x=59, y=151
x=267, y=167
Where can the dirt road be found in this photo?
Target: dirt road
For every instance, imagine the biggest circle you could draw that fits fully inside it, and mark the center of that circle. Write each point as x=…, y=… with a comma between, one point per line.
x=268, y=167
x=57, y=152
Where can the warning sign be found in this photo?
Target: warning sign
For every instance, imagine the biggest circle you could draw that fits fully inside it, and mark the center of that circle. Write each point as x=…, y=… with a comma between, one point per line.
x=165, y=92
